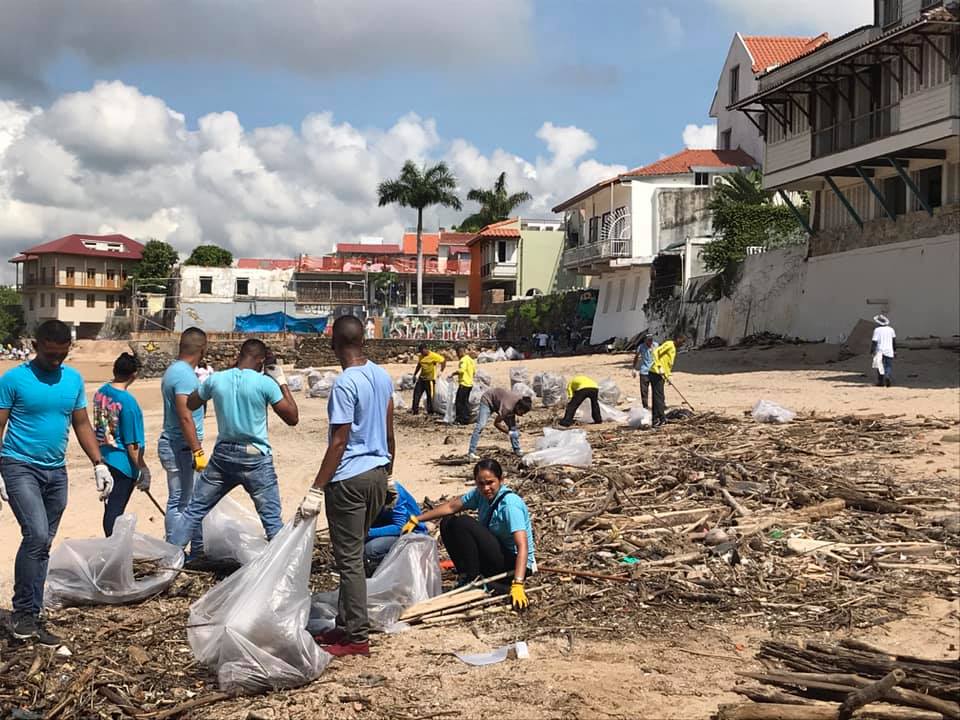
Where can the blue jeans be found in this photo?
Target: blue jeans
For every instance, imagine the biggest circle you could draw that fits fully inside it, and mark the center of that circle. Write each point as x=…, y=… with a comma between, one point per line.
x=177, y=462
x=376, y=549
x=117, y=502
x=38, y=497
x=483, y=417
x=232, y=464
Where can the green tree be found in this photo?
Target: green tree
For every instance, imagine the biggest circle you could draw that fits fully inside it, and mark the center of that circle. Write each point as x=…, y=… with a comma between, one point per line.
x=157, y=263
x=210, y=256
x=495, y=205
x=383, y=285
x=420, y=188
x=11, y=314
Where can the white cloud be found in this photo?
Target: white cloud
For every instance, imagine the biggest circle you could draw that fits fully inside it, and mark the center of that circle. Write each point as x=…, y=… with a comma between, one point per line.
x=80, y=166
x=811, y=17
x=700, y=137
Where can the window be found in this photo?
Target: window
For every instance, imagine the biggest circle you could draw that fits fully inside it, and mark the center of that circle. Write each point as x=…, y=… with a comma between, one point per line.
x=206, y=285
x=243, y=286
x=594, y=229
x=930, y=184
x=91, y=276
x=725, y=139
x=620, y=293
x=891, y=12
x=605, y=225
x=70, y=275
x=69, y=300
x=636, y=293
x=53, y=299
x=30, y=301
x=701, y=179
x=43, y=300
x=111, y=277
x=91, y=300
x=606, y=296
x=111, y=301
x=894, y=192
x=734, y=83
x=501, y=250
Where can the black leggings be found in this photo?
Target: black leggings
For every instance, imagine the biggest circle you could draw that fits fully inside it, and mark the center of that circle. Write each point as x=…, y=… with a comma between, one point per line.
x=423, y=387
x=591, y=394
x=475, y=550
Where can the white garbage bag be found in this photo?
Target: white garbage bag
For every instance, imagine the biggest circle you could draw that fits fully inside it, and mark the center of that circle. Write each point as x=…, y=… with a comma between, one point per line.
x=99, y=571
x=410, y=573
x=449, y=387
x=537, y=384
x=406, y=382
x=320, y=384
x=232, y=532
x=482, y=377
x=639, y=417
x=475, y=396
x=487, y=356
x=519, y=374
x=398, y=402
x=609, y=393
x=524, y=390
x=251, y=628
x=441, y=395
x=560, y=447
x=513, y=354
x=295, y=383
x=608, y=413
x=554, y=389
x=769, y=412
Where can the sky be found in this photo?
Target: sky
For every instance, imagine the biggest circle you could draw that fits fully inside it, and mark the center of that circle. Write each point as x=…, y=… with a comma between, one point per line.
x=265, y=126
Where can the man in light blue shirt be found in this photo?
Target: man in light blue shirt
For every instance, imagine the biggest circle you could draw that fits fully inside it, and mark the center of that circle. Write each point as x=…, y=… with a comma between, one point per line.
x=242, y=455
x=642, y=361
x=353, y=478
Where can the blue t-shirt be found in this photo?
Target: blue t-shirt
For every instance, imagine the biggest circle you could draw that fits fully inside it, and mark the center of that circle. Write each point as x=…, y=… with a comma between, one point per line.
x=240, y=399
x=41, y=404
x=179, y=379
x=646, y=358
x=117, y=422
x=359, y=397
x=510, y=515
x=390, y=521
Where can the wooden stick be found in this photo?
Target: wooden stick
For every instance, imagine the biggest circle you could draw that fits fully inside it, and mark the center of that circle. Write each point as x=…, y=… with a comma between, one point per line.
x=739, y=509
x=874, y=691
x=476, y=583
x=583, y=574
x=190, y=705
x=777, y=711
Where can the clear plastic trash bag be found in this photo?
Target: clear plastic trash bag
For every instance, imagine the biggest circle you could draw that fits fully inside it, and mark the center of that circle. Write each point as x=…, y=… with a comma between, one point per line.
x=639, y=417
x=519, y=374
x=553, y=389
x=99, y=571
x=406, y=382
x=320, y=384
x=398, y=402
x=487, y=356
x=560, y=447
x=482, y=377
x=523, y=390
x=449, y=401
x=769, y=412
x=232, y=532
x=295, y=383
x=537, y=384
x=513, y=354
x=410, y=573
x=476, y=394
x=609, y=393
x=608, y=413
x=251, y=628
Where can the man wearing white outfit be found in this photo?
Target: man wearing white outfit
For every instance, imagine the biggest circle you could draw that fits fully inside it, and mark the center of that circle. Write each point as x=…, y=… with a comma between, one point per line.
x=882, y=348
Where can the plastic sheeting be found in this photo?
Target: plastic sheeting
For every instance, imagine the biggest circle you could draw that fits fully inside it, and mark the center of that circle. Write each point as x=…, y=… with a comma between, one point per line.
x=279, y=322
x=410, y=573
x=398, y=402
x=608, y=413
x=320, y=384
x=232, y=532
x=609, y=393
x=553, y=389
x=560, y=447
x=639, y=417
x=769, y=412
x=99, y=571
x=519, y=374
x=251, y=628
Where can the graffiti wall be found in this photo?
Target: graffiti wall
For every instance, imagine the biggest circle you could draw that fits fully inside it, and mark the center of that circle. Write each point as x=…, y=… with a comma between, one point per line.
x=451, y=328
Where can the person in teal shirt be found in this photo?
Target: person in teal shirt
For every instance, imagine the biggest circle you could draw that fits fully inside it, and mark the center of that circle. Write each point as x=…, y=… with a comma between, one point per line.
x=118, y=424
x=242, y=455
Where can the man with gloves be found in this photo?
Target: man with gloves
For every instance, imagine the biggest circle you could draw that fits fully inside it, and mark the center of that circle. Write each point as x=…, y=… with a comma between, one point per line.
x=353, y=478
x=39, y=401
x=242, y=455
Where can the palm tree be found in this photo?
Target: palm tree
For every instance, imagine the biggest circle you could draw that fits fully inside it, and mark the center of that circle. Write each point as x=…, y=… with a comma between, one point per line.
x=419, y=188
x=740, y=187
x=495, y=204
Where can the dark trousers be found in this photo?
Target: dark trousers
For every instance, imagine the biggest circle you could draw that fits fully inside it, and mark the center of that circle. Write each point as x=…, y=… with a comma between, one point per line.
x=117, y=502
x=659, y=401
x=645, y=391
x=475, y=550
x=423, y=386
x=352, y=505
x=593, y=394
x=463, y=405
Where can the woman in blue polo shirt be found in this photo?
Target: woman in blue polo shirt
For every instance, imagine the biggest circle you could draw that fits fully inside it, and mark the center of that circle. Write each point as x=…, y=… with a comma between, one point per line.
x=118, y=424
x=499, y=539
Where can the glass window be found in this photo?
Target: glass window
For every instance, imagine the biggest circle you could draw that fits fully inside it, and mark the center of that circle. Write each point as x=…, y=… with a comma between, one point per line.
x=53, y=299
x=734, y=83
x=68, y=300
x=70, y=274
x=930, y=184
x=43, y=300
x=725, y=139
x=30, y=300
x=701, y=178
x=206, y=285
x=91, y=300
x=894, y=192
x=91, y=275
x=111, y=301
x=243, y=286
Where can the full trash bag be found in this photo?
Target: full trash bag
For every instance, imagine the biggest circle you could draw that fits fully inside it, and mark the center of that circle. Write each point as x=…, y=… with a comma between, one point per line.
x=398, y=402
x=608, y=413
x=537, y=384
x=251, y=628
x=295, y=383
x=476, y=394
x=487, y=356
x=482, y=377
x=639, y=417
x=99, y=571
x=410, y=573
x=609, y=393
x=519, y=374
x=406, y=382
x=560, y=447
x=554, y=389
x=513, y=354
x=232, y=532
x=769, y=412
x=523, y=390
x=442, y=397
x=320, y=384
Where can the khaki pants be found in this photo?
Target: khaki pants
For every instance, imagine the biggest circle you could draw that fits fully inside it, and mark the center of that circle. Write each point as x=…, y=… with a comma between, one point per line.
x=352, y=505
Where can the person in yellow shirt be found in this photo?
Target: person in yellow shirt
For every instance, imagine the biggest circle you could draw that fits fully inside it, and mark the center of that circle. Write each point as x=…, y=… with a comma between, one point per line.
x=664, y=356
x=581, y=388
x=427, y=370
x=466, y=369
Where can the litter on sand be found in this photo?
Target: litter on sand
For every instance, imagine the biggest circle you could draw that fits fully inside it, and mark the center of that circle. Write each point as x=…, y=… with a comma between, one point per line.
x=769, y=412
x=513, y=651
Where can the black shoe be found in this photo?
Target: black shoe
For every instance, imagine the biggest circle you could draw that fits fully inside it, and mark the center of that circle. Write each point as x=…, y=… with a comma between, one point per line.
x=564, y=423
x=887, y=382
x=27, y=627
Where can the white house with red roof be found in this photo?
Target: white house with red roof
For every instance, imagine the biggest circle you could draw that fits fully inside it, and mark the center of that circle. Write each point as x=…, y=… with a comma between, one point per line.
x=748, y=57
x=78, y=279
x=616, y=229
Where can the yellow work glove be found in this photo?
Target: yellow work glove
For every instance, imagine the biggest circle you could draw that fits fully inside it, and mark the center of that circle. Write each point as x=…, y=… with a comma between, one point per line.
x=518, y=597
x=199, y=460
x=410, y=526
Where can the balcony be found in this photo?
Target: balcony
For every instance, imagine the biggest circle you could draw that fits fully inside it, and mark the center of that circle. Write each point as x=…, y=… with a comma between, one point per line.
x=76, y=283
x=856, y=131
x=596, y=252
x=499, y=270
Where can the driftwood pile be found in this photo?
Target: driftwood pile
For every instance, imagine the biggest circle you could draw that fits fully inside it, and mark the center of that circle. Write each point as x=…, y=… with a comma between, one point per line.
x=815, y=680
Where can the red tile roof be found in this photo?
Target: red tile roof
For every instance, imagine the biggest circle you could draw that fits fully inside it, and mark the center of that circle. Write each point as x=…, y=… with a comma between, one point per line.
x=73, y=245
x=768, y=51
x=505, y=228
x=431, y=241
x=266, y=263
x=369, y=249
x=454, y=238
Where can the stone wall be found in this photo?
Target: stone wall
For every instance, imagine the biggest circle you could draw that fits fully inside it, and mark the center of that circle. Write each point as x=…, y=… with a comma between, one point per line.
x=156, y=355
x=915, y=225
x=317, y=352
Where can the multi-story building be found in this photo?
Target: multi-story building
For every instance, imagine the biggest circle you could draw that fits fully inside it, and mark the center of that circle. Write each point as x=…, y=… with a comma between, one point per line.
x=78, y=279
x=748, y=57
x=615, y=230
x=515, y=258
x=868, y=126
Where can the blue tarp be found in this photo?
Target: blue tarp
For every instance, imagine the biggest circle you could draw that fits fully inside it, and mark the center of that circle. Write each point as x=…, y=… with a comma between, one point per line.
x=279, y=322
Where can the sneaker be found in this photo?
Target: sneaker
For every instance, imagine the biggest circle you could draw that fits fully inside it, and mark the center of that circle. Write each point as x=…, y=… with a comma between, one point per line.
x=27, y=627
x=473, y=456
x=342, y=649
x=331, y=636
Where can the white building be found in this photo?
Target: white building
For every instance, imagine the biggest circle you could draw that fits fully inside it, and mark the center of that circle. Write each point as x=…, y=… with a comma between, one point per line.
x=615, y=230
x=749, y=56
x=868, y=125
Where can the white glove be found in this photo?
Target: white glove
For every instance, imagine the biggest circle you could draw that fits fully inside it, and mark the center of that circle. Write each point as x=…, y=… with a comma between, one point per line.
x=3, y=493
x=310, y=506
x=104, y=480
x=276, y=372
x=143, y=483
